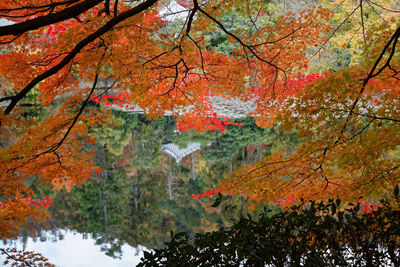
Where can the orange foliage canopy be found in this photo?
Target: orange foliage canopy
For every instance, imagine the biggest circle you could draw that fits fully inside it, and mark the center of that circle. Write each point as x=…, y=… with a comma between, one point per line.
x=348, y=123
x=69, y=50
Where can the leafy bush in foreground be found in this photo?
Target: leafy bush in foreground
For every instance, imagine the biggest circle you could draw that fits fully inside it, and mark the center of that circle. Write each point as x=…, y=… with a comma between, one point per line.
x=309, y=234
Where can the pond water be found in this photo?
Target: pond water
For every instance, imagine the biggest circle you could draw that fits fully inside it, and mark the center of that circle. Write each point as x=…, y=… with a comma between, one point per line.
x=75, y=250
x=148, y=174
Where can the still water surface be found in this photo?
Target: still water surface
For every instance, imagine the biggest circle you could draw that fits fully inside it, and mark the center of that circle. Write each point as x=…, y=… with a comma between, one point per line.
x=148, y=174
x=76, y=250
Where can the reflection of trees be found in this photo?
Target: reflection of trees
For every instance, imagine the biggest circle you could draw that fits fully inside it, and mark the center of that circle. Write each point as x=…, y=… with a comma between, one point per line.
x=235, y=140
x=142, y=194
x=129, y=205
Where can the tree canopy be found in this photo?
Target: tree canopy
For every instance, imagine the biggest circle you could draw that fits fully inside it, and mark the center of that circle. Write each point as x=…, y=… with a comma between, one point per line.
x=327, y=72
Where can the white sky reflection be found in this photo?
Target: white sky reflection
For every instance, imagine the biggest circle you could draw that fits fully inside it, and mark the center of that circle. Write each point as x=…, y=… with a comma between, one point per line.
x=75, y=251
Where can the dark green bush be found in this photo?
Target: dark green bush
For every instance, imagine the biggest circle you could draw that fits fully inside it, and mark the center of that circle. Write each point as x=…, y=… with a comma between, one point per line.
x=310, y=234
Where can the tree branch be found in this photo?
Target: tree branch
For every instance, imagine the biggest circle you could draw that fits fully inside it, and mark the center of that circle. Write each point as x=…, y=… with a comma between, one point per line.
x=82, y=108
x=240, y=41
x=107, y=27
x=52, y=5
x=36, y=23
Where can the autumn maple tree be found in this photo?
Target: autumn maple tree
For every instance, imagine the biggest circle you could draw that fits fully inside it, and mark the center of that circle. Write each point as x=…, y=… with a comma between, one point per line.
x=347, y=120
x=73, y=52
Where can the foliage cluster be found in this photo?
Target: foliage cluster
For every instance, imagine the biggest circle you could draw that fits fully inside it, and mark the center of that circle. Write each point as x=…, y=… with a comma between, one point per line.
x=308, y=234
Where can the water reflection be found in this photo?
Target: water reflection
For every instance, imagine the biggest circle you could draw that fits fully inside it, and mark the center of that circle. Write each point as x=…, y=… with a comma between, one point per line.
x=76, y=250
x=149, y=172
